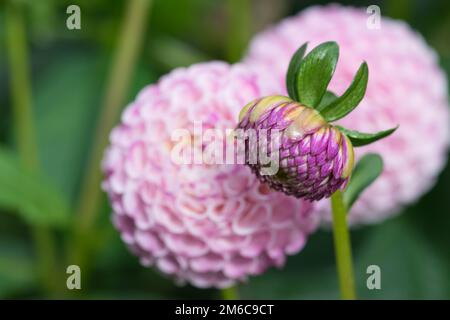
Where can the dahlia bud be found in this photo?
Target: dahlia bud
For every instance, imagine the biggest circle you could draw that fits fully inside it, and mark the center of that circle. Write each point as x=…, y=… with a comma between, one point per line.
x=315, y=157
x=396, y=54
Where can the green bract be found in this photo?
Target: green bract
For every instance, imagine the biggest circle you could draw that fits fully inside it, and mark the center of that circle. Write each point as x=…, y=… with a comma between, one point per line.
x=314, y=73
x=344, y=104
x=291, y=77
x=359, y=139
x=307, y=80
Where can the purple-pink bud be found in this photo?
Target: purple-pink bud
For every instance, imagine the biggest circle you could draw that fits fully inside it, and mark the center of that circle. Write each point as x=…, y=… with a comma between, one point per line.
x=315, y=158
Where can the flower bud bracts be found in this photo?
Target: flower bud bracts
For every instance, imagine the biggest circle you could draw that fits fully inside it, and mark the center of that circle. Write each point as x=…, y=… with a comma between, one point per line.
x=315, y=158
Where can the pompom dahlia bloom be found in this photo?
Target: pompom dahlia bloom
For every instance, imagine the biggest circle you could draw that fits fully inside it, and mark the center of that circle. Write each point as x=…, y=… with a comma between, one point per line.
x=406, y=87
x=209, y=225
x=315, y=158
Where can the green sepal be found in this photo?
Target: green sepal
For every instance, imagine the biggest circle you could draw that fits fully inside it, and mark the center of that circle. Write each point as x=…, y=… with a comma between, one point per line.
x=345, y=104
x=291, y=77
x=327, y=98
x=360, y=139
x=366, y=171
x=315, y=72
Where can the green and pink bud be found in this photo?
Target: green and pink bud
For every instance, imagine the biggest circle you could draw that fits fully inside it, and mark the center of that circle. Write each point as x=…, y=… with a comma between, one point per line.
x=315, y=158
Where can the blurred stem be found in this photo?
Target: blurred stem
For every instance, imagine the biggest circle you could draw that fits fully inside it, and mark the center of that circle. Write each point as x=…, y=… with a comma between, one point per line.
x=239, y=28
x=121, y=74
x=398, y=9
x=48, y=271
x=230, y=293
x=342, y=247
x=20, y=86
x=172, y=53
x=24, y=131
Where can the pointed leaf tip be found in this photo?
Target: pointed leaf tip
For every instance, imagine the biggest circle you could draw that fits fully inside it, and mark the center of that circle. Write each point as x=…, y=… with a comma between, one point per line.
x=315, y=72
x=345, y=104
x=360, y=139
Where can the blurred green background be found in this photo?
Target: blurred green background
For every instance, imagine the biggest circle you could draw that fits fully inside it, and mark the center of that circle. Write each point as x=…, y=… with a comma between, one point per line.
x=73, y=75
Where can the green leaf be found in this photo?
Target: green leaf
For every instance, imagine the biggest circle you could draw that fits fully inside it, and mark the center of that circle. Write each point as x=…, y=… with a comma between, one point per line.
x=351, y=97
x=365, y=173
x=16, y=268
x=311, y=274
x=328, y=97
x=31, y=196
x=291, y=77
x=315, y=72
x=66, y=112
x=359, y=139
x=412, y=267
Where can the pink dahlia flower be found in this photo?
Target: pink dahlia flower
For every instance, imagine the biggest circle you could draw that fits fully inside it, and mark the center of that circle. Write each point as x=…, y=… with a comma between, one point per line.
x=209, y=225
x=406, y=87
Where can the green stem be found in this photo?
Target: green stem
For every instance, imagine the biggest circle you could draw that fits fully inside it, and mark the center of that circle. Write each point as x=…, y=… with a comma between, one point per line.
x=230, y=293
x=239, y=28
x=171, y=53
x=47, y=268
x=20, y=86
x=342, y=247
x=24, y=131
x=116, y=89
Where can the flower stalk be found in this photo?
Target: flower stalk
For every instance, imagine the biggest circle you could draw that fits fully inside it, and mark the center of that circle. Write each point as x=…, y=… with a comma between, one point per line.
x=230, y=293
x=25, y=134
x=342, y=247
x=239, y=28
x=116, y=89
